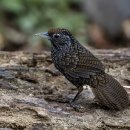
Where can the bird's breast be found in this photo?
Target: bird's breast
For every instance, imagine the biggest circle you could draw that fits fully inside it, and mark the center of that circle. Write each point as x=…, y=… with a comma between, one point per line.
x=63, y=59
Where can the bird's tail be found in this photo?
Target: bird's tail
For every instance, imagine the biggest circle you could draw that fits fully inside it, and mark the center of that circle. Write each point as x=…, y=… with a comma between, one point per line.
x=109, y=92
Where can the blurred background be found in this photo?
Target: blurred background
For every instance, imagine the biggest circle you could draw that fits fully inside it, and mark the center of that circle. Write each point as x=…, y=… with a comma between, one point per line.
x=95, y=23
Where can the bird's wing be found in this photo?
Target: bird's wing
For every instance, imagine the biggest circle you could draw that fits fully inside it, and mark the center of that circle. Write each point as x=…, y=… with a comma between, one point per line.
x=88, y=60
x=83, y=64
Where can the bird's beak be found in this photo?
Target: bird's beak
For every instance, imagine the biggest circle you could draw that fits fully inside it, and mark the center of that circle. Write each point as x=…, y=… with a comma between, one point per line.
x=42, y=34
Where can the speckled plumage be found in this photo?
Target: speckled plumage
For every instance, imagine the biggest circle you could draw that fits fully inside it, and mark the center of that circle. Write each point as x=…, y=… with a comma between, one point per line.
x=81, y=67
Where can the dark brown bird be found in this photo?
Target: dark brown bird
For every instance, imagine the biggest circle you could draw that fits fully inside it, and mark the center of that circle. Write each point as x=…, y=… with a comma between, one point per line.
x=81, y=67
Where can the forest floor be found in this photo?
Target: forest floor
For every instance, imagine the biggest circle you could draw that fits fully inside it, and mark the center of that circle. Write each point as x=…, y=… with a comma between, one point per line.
x=35, y=96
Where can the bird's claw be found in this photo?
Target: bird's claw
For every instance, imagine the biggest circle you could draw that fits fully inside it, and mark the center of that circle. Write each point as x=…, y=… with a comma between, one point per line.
x=77, y=107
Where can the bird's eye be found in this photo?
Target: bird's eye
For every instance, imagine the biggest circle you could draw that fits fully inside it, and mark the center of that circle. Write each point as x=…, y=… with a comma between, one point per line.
x=56, y=35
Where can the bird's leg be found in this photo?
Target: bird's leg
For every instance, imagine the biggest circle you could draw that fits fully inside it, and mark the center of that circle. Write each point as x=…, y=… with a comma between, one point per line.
x=80, y=89
x=77, y=107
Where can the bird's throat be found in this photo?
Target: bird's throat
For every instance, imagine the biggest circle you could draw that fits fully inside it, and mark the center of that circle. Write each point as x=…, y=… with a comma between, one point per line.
x=55, y=45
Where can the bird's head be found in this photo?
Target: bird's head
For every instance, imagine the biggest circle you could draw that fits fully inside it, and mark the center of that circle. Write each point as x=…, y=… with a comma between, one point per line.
x=58, y=37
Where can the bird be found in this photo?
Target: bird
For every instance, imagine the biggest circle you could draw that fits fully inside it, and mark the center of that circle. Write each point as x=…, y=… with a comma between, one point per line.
x=81, y=67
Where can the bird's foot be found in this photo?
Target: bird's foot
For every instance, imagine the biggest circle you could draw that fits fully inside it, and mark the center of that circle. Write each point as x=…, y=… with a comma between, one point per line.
x=77, y=107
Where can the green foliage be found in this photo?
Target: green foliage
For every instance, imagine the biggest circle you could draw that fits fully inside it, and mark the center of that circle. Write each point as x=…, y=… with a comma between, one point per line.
x=31, y=16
